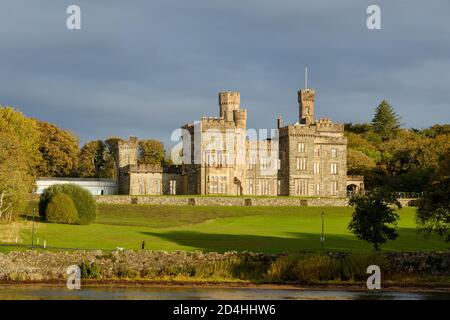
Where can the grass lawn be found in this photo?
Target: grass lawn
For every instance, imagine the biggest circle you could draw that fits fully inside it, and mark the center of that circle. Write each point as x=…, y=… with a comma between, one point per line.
x=263, y=229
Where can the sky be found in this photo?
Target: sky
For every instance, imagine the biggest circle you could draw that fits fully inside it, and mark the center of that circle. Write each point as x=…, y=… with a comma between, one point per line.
x=145, y=68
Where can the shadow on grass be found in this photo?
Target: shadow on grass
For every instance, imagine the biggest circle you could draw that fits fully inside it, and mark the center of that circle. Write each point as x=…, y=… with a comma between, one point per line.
x=408, y=240
x=258, y=243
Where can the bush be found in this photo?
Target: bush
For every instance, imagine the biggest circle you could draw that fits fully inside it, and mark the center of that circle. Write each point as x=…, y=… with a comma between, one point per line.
x=61, y=209
x=89, y=270
x=304, y=268
x=354, y=266
x=83, y=200
x=124, y=271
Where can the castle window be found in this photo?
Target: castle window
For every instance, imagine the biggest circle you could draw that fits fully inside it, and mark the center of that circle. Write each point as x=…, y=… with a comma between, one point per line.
x=264, y=164
x=213, y=184
x=301, y=164
x=217, y=184
x=173, y=186
x=301, y=147
x=334, y=168
x=317, y=152
x=221, y=158
x=301, y=187
x=333, y=153
x=316, y=167
x=158, y=186
x=317, y=189
x=249, y=183
x=334, y=187
x=279, y=187
x=264, y=186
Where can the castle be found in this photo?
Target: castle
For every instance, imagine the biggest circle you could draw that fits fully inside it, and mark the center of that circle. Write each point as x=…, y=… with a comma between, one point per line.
x=307, y=158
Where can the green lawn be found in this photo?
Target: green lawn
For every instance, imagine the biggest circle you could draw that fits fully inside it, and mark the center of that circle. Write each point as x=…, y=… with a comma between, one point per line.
x=266, y=229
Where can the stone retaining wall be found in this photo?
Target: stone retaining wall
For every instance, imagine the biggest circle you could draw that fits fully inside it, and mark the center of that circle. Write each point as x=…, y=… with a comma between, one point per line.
x=41, y=266
x=224, y=201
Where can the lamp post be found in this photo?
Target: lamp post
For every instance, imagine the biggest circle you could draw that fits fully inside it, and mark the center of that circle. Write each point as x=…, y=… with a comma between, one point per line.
x=32, y=233
x=322, y=238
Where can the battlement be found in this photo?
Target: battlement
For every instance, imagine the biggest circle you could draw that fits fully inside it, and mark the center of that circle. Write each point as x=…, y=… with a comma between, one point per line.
x=306, y=95
x=132, y=142
x=327, y=125
x=144, y=168
x=324, y=121
x=230, y=98
x=211, y=119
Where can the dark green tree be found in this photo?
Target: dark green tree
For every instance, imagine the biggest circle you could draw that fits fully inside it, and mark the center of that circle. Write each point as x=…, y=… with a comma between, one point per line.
x=61, y=209
x=375, y=217
x=386, y=122
x=92, y=159
x=433, y=212
x=84, y=202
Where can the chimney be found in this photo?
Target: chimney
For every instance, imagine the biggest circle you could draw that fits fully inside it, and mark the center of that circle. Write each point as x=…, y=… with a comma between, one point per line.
x=279, y=122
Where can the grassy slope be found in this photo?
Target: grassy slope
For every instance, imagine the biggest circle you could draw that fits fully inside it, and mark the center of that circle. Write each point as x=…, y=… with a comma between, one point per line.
x=267, y=229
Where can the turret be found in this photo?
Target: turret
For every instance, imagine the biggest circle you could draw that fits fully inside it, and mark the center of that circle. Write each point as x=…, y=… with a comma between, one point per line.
x=240, y=118
x=228, y=102
x=306, y=106
x=128, y=152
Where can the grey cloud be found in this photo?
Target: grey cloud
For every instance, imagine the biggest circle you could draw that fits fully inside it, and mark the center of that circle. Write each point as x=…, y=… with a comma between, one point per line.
x=146, y=67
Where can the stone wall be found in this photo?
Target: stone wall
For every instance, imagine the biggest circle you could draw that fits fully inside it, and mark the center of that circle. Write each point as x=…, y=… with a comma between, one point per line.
x=50, y=266
x=224, y=201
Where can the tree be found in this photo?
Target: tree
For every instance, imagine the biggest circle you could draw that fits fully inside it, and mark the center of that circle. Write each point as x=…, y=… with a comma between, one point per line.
x=385, y=122
x=15, y=181
x=358, y=128
x=110, y=169
x=61, y=209
x=151, y=152
x=358, y=162
x=433, y=212
x=92, y=159
x=374, y=219
x=26, y=131
x=59, y=150
x=83, y=200
x=19, y=156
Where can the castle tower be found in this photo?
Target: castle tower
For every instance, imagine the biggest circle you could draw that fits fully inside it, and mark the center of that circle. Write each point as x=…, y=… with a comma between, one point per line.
x=127, y=155
x=128, y=152
x=306, y=106
x=228, y=102
x=240, y=118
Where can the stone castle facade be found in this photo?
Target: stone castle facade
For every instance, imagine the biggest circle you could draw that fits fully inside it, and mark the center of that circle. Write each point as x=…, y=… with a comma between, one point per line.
x=222, y=156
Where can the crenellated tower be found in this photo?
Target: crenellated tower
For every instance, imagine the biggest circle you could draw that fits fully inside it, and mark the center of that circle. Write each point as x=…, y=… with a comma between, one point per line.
x=306, y=106
x=229, y=102
x=127, y=155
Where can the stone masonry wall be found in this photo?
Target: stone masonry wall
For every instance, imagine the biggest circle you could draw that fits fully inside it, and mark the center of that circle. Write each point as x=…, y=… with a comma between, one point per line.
x=224, y=201
x=50, y=266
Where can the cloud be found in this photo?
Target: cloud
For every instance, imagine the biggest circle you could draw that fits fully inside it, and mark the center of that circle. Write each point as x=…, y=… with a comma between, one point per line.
x=149, y=67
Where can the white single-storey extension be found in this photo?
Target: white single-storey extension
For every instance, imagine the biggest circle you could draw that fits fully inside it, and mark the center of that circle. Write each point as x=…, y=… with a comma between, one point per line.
x=95, y=186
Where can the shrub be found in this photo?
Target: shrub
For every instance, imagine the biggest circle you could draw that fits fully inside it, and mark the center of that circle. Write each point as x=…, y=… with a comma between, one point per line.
x=83, y=200
x=124, y=271
x=304, y=268
x=61, y=209
x=354, y=266
x=89, y=270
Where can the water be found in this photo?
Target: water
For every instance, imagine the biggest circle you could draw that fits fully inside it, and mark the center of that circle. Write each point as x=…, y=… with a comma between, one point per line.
x=54, y=292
